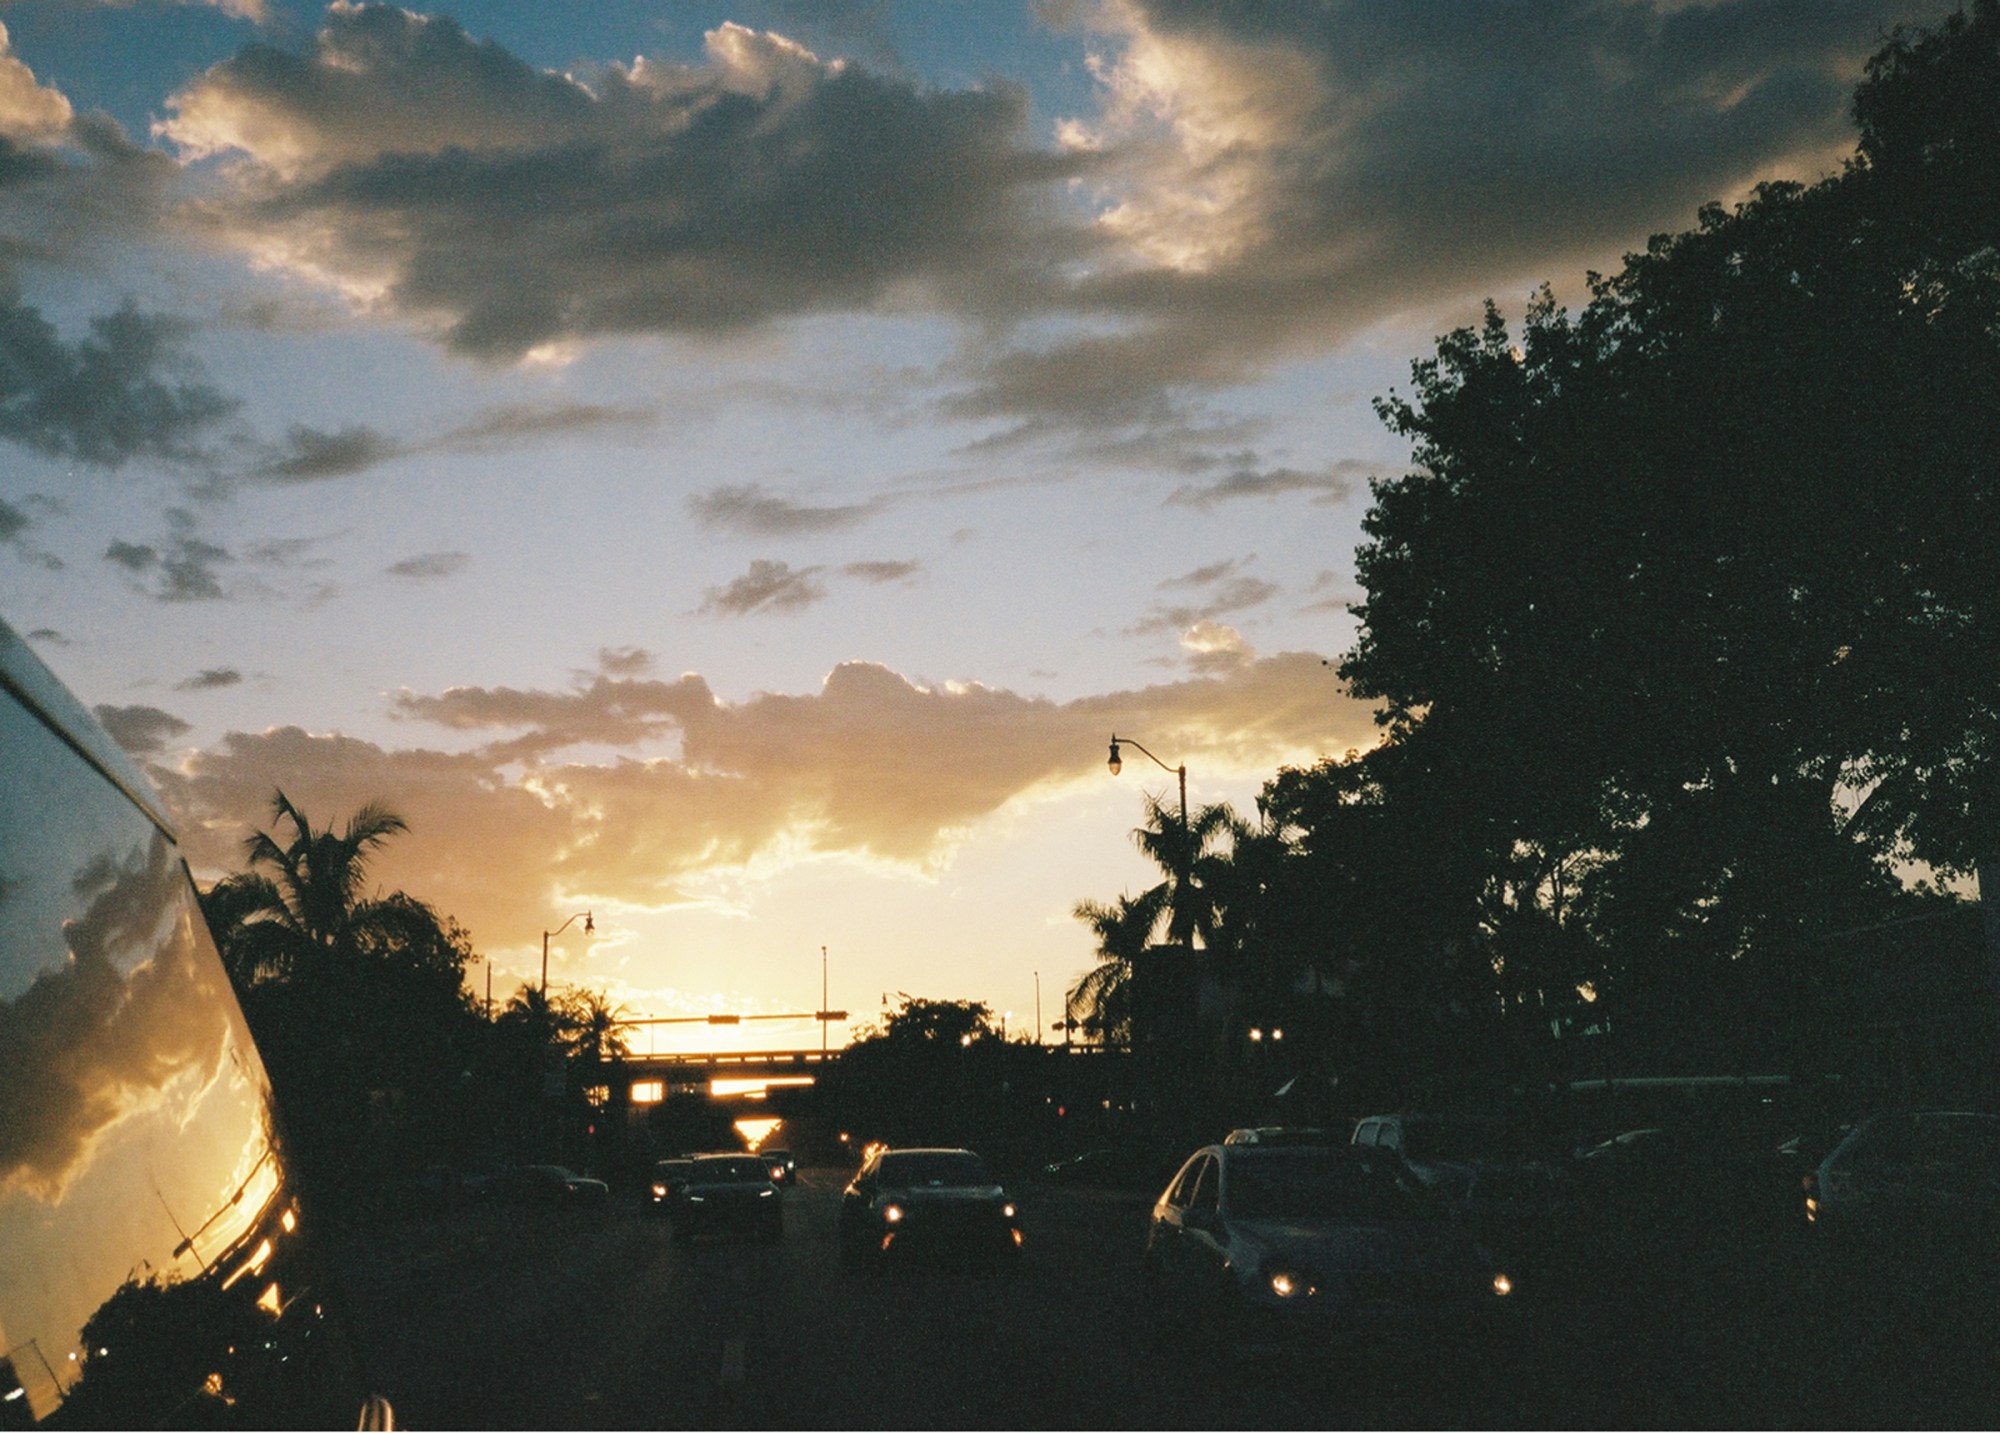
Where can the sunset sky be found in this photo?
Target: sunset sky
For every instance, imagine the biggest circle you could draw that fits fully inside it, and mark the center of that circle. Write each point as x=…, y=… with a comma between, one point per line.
x=732, y=467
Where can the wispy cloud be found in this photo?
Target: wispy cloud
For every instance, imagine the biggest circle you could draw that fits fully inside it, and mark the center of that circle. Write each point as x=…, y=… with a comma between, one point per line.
x=309, y=454
x=1326, y=487
x=210, y=679
x=767, y=587
x=749, y=508
x=882, y=572
x=429, y=566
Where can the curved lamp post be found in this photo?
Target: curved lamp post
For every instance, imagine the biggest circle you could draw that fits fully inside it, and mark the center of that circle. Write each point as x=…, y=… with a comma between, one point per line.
x=1117, y=764
x=587, y=929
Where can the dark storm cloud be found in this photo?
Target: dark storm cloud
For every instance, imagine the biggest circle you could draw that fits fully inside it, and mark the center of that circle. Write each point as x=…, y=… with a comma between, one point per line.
x=210, y=679
x=429, y=566
x=514, y=208
x=767, y=587
x=748, y=508
x=142, y=731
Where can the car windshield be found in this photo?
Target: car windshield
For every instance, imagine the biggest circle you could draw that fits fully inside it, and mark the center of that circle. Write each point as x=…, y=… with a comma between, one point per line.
x=1331, y=1187
x=729, y=1169
x=934, y=1169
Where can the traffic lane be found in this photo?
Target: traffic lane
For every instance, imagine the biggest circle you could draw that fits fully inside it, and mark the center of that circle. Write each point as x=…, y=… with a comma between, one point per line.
x=767, y=1336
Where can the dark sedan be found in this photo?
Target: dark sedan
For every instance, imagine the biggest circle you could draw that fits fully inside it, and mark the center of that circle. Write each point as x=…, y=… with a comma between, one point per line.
x=1256, y=1243
x=938, y=1200
x=728, y=1194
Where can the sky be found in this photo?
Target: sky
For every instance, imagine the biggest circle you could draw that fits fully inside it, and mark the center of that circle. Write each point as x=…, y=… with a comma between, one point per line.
x=732, y=468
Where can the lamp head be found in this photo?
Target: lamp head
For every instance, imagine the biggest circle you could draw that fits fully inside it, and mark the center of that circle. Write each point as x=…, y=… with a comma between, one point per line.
x=1115, y=764
x=588, y=928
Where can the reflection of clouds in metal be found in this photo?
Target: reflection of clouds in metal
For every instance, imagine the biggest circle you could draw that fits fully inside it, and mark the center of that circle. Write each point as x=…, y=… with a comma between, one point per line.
x=87, y=1047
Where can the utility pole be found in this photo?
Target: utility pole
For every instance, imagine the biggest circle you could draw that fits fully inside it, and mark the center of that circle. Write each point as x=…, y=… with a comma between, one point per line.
x=1038, y=1007
x=822, y=1003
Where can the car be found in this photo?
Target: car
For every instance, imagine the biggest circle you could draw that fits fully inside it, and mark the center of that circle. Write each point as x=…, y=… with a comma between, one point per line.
x=548, y=1184
x=161, y=1265
x=1903, y=1179
x=728, y=1193
x=668, y=1175
x=1254, y=1245
x=1442, y=1152
x=1282, y=1134
x=784, y=1165
x=928, y=1201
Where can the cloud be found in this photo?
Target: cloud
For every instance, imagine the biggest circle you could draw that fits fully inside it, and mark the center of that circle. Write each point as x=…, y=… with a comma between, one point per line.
x=624, y=661
x=1228, y=592
x=310, y=454
x=1334, y=487
x=767, y=587
x=210, y=679
x=748, y=508
x=184, y=570
x=28, y=109
x=514, y=421
x=882, y=572
x=867, y=766
x=1215, y=649
x=429, y=566
x=440, y=178
x=1273, y=179
x=143, y=731
x=128, y=390
x=17, y=521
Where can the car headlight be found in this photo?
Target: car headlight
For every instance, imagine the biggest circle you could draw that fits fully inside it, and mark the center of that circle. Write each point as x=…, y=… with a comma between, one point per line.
x=1007, y=1209
x=659, y=1191
x=892, y=1213
x=1287, y=1281
x=1502, y=1285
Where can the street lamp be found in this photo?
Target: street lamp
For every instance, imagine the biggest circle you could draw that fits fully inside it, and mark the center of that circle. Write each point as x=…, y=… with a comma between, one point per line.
x=587, y=929
x=1117, y=764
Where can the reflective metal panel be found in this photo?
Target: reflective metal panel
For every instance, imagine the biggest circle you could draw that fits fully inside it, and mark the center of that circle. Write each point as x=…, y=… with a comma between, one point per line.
x=153, y=1267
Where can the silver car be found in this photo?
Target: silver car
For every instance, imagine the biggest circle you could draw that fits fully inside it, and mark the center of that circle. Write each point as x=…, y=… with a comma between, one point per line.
x=1263, y=1243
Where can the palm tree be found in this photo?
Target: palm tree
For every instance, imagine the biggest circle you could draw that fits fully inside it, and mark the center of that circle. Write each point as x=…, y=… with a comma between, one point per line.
x=303, y=918
x=1194, y=852
x=591, y=1025
x=1100, y=1003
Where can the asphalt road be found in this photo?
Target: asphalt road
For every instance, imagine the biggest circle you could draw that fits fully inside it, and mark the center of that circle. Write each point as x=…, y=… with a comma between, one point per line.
x=528, y=1318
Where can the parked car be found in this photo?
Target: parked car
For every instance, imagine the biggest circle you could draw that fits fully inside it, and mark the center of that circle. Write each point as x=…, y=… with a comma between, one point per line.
x=1283, y=1134
x=938, y=1201
x=161, y=1266
x=728, y=1193
x=784, y=1165
x=1442, y=1152
x=1907, y=1178
x=1258, y=1244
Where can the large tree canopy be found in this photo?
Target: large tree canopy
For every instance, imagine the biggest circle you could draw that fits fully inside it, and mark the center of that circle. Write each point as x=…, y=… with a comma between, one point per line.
x=1734, y=524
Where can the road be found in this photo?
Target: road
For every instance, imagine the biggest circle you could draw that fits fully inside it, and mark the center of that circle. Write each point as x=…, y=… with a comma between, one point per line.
x=525, y=1318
